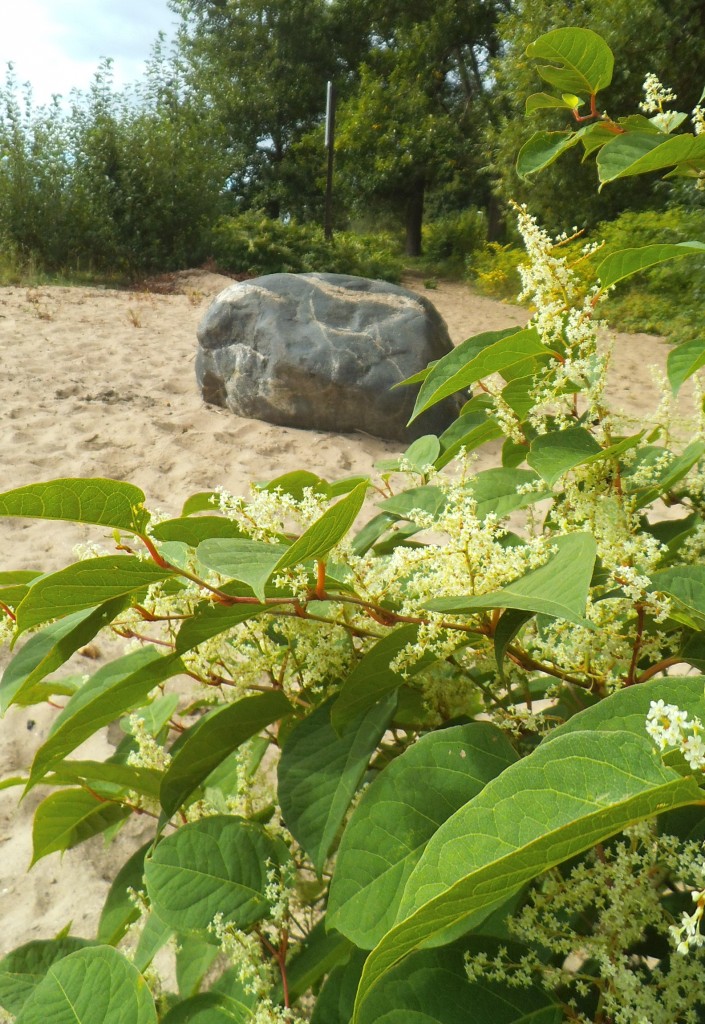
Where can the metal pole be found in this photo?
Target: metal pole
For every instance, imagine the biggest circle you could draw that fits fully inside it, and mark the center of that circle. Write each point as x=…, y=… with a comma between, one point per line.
x=330, y=146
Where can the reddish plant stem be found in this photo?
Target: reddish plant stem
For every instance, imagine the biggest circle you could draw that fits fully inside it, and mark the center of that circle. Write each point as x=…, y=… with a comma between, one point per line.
x=320, y=579
x=8, y=611
x=660, y=666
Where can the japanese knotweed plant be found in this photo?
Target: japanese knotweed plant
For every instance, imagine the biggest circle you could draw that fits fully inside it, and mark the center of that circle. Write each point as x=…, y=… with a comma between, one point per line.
x=400, y=770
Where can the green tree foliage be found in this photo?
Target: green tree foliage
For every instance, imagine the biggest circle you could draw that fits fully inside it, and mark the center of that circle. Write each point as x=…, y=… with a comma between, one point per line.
x=411, y=125
x=642, y=39
x=263, y=67
x=110, y=181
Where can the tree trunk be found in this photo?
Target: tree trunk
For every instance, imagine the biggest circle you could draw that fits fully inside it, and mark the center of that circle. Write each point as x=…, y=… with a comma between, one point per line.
x=414, y=218
x=496, y=228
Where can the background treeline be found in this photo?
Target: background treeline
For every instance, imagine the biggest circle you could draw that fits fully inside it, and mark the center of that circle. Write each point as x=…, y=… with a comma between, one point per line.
x=217, y=154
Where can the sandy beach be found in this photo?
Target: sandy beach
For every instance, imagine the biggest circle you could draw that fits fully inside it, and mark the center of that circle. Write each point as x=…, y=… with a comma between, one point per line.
x=100, y=382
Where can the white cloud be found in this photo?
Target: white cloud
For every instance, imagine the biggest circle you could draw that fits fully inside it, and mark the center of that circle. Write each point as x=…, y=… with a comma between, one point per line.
x=57, y=44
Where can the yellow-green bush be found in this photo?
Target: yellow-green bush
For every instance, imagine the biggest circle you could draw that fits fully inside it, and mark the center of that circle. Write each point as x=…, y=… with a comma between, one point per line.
x=255, y=244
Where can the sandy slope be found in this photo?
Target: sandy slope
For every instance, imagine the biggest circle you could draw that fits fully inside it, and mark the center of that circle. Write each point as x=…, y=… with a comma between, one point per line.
x=101, y=383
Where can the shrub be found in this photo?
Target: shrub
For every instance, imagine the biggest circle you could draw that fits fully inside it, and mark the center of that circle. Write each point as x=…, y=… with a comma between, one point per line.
x=253, y=243
x=534, y=814
x=495, y=270
x=453, y=238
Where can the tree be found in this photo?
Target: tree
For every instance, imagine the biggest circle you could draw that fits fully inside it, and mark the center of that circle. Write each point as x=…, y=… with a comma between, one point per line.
x=110, y=181
x=422, y=102
x=263, y=66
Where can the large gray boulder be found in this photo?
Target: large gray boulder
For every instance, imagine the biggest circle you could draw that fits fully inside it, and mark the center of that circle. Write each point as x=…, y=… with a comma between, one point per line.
x=322, y=351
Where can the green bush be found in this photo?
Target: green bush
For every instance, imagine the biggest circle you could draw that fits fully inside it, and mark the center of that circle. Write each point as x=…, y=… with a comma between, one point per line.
x=666, y=299
x=110, y=184
x=495, y=270
x=453, y=238
x=253, y=243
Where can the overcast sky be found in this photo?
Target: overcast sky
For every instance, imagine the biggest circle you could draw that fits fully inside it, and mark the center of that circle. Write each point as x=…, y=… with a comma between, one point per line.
x=56, y=44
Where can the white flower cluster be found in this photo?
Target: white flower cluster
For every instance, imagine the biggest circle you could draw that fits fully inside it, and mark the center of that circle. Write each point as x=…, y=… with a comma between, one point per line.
x=565, y=319
x=266, y=514
x=244, y=951
x=698, y=119
x=655, y=95
x=149, y=753
x=668, y=726
x=688, y=936
x=589, y=932
x=7, y=629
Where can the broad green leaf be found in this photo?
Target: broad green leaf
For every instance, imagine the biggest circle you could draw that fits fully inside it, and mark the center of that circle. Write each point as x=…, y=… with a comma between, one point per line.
x=428, y=498
x=206, y=1008
x=154, y=936
x=314, y=957
x=496, y=490
x=448, y=367
x=119, y=910
x=336, y=1000
x=432, y=987
x=86, y=584
x=581, y=61
x=97, y=502
x=422, y=453
x=98, y=775
x=212, y=739
x=499, y=357
x=217, y=865
x=600, y=134
x=626, y=710
x=69, y=817
x=670, y=475
x=543, y=149
x=396, y=817
x=371, y=532
x=209, y=620
x=619, y=265
x=507, y=628
x=12, y=595
x=683, y=361
x=346, y=485
x=47, y=650
x=23, y=968
x=545, y=101
x=226, y=1002
x=17, y=578
x=250, y=561
x=204, y=501
x=562, y=799
x=96, y=985
x=468, y=432
x=553, y=454
x=559, y=588
x=320, y=771
x=517, y=394
x=686, y=583
x=115, y=689
x=193, y=530
x=372, y=678
x=194, y=957
x=295, y=483
x=641, y=152
x=324, y=534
